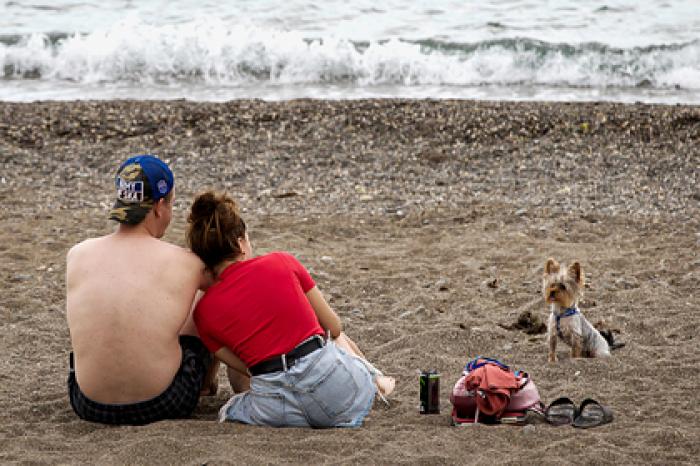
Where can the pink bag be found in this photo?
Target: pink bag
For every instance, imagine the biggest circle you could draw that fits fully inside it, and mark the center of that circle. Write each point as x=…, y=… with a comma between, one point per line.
x=492, y=404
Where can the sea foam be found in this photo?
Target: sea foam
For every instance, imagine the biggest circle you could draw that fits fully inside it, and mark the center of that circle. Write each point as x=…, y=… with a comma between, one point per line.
x=214, y=53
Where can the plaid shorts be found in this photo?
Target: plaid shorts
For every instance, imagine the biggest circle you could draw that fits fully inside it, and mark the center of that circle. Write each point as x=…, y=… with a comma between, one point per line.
x=178, y=401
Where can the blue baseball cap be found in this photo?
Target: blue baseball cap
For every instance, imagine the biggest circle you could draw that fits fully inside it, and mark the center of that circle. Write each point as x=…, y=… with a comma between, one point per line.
x=141, y=181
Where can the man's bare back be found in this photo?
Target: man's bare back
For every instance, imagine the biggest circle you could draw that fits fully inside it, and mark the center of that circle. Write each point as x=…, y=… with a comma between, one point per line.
x=129, y=297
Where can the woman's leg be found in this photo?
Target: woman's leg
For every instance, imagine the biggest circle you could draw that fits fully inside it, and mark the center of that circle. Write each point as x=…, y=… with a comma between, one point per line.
x=385, y=384
x=348, y=345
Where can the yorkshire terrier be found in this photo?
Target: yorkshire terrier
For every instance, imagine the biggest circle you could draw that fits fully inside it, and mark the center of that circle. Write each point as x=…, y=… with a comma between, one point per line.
x=562, y=287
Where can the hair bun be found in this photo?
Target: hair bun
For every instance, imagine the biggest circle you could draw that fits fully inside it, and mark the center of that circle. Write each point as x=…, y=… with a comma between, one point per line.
x=203, y=207
x=215, y=226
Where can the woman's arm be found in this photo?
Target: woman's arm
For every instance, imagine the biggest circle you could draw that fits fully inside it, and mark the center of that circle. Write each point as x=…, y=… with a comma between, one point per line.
x=231, y=360
x=327, y=317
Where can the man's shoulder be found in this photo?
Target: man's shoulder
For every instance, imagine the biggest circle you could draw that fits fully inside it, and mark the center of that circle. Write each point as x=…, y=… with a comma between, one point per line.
x=83, y=246
x=181, y=260
x=179, y=253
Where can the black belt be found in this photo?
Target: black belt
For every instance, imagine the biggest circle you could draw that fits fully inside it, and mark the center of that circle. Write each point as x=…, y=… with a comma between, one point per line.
x=285, y=361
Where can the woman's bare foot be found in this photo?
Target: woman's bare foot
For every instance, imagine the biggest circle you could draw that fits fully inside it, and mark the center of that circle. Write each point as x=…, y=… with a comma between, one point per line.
x=385, y=384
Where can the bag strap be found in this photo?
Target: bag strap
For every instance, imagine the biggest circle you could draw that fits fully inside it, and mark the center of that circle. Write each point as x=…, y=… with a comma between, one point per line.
x=480, y=361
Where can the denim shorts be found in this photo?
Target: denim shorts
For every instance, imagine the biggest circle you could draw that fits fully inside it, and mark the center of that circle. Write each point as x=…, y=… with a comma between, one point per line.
x=326, y=388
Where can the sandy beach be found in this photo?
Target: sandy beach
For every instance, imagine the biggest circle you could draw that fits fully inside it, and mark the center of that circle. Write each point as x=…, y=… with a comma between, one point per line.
x=426, y=224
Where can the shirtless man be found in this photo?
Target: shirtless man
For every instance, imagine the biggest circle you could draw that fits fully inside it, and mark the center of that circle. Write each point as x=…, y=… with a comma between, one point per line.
x=135, y=357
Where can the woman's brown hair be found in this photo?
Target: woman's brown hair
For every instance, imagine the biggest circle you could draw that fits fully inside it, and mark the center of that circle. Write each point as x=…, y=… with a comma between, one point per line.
x=214, y=227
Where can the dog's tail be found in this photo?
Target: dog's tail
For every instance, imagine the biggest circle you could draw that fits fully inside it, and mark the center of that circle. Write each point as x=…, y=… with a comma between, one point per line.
x=610, y=338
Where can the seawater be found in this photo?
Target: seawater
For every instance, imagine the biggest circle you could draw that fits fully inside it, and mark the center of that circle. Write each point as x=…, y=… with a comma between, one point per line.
x=616, y=50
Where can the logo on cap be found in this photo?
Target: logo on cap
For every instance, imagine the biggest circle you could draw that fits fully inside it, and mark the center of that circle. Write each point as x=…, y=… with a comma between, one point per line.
x=162, y=186
x=129, y=191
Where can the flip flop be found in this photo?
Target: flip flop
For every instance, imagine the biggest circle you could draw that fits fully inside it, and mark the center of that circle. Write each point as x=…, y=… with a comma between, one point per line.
x=592, y=414
x=561, y=412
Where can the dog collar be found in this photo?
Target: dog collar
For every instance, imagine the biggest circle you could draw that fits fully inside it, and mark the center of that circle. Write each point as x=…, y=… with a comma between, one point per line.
x=567, y=313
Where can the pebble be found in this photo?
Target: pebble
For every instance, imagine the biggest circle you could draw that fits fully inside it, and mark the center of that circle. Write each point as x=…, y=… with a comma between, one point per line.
x=625, y=283
x=419, y=310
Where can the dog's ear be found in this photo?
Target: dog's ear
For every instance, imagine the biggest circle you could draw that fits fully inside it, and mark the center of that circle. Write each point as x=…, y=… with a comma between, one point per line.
x=576, y=272
x=551, y=266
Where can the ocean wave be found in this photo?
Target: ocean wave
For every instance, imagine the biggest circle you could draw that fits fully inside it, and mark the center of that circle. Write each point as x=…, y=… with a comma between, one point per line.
x=202, y=52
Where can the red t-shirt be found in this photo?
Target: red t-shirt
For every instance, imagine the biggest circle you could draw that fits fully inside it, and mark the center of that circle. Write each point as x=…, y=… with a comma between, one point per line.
x=258, y=308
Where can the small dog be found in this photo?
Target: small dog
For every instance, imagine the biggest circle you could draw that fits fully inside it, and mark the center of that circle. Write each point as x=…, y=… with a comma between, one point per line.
x=562, y=287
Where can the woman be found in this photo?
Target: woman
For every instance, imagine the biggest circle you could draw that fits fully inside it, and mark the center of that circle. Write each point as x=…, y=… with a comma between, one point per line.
x=267, y=321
